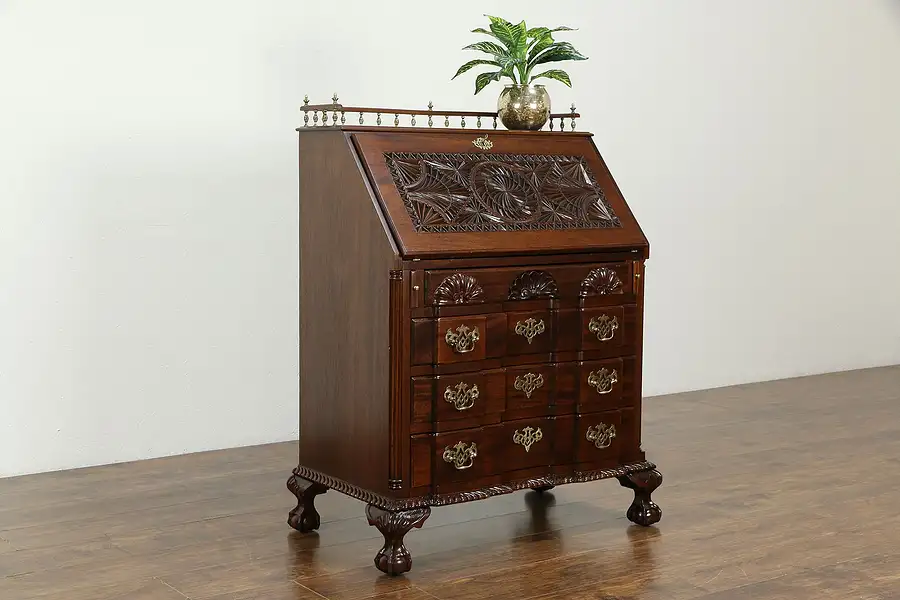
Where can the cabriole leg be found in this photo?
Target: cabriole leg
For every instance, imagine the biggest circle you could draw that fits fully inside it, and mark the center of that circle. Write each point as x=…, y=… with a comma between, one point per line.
x=304, y=517
x=394, y=558
x=642, y=510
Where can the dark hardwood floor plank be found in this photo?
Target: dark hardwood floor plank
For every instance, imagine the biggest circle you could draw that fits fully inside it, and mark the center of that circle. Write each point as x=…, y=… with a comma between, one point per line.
x=783, y=489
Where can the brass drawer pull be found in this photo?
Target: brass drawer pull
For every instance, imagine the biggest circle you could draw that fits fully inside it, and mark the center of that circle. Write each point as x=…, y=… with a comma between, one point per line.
x=603, y=327
x=602, y=436
x=530, y=328
x=461, y=455
x=528, y=383
x=603, y=380
x=527, y=437
x=463, y=339
x=461, y=396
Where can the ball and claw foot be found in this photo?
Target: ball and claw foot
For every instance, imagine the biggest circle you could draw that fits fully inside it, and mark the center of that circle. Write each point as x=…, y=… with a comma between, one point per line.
x=304, y=518
x=643, y=511
x=394, y=558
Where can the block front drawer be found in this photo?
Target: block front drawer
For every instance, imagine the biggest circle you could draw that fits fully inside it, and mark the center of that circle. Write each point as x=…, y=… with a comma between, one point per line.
x=471, y=454
x=601, y=331
x=541, y=389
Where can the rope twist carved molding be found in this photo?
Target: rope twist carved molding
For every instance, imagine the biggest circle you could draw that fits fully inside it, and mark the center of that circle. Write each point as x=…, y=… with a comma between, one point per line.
x=455, y=498
x=460, y=192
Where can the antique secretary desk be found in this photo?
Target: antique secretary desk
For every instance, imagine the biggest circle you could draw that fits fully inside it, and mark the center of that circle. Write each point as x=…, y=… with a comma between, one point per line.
x=471, y=312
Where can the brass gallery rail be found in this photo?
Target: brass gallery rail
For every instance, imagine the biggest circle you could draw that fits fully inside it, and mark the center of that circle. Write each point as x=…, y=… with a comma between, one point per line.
x=339, y=114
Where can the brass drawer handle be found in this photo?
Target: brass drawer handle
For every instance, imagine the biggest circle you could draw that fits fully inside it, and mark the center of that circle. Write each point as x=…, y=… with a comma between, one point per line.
x=529, y=382
x=530, y=328
x=463, y=339
x=527, y=437
x=461, y=396
x=602, y=436
x=603, y=327
x=461, y=455
x=603, y=380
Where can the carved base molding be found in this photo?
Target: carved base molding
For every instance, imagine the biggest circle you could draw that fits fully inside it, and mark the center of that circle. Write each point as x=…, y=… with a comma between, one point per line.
x=399, y=504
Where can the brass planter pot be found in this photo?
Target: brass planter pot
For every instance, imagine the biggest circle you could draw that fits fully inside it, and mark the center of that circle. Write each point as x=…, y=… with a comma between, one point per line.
x=523, y=106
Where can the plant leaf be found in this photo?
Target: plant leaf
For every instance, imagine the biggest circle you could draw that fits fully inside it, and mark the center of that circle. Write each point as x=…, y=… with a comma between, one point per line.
x=482, y=30
x=485, y=78
x=537, y=32
x=489, y=47
x=556, y=52
x=554, y=74
x=520, y=38
x=541, y=44
x=473, y=63
x=505, y=33
x=499, y=20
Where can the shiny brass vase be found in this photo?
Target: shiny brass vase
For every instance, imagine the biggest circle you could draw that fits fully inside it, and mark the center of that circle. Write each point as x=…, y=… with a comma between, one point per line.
x=523, y=106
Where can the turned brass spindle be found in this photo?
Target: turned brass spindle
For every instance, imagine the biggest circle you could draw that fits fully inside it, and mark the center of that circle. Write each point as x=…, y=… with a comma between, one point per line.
x=446, y=121
x=572, y=109
x=478, y=122
x=396, y=119
x=343, y=120
x=495, y=122
x=315, y=117
x=551, y=124
x=412, y=120
x=305, y=111
x=360, y=118
x=462, y=121
x=334, y=99
x=430, y=108
x=378, y=119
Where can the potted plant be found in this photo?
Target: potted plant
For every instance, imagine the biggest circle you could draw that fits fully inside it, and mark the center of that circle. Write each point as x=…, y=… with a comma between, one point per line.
x=522, y=104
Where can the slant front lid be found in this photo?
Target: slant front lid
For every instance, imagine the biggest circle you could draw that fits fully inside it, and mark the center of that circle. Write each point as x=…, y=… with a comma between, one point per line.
x=488, y=192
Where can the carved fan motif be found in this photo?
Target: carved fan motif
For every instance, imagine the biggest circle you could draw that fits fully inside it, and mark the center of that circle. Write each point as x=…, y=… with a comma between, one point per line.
x=447, y=192
x=600, y=282
x=533, y=284
x=458, y=289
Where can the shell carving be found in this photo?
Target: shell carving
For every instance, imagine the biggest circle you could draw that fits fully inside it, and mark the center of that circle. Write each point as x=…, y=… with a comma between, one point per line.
x=458, y=289
x=600, y=282
x=533, y=284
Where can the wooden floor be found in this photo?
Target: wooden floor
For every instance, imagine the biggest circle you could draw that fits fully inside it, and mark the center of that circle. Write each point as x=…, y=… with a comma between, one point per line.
x=788, y=489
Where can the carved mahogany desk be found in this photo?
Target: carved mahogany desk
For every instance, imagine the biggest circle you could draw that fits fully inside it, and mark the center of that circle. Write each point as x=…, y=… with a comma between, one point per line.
x=471, y=308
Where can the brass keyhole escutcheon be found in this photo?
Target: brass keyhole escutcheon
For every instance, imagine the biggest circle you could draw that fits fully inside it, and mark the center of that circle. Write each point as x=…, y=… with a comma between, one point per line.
x=529, y=382
x=527, y=437
x=530, y=328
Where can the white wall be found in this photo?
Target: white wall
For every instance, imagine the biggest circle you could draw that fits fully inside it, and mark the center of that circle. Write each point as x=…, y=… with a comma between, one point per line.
x=148, y=190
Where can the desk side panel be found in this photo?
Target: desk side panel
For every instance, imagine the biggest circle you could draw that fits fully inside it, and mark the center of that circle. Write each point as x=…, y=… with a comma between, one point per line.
x=346, y=258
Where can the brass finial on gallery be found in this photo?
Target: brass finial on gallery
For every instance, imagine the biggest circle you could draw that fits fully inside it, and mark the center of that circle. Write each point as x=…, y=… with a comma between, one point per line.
x=404, y=117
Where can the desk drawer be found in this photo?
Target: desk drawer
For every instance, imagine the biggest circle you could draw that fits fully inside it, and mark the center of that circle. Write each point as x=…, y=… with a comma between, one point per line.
x=473, y=287
x=475, y=453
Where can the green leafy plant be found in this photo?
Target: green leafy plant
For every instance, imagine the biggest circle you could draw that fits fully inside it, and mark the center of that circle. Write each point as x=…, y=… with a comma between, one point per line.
x=519, y=52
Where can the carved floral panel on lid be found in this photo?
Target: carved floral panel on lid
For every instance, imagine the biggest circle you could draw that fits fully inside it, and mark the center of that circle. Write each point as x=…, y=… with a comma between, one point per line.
x=465, y=192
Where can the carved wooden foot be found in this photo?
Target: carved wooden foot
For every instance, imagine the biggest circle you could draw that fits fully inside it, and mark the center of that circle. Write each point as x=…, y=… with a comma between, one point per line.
x=394, y=558
x=543, y=488
x=304, y=517
x=642, y=510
